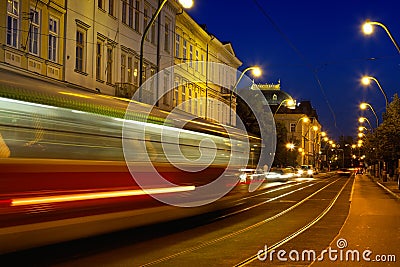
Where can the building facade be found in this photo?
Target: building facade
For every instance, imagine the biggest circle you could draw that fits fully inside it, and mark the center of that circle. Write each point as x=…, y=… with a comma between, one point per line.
x=33, y=37
x=301, y=122
x=204, y=70
x=103, y=44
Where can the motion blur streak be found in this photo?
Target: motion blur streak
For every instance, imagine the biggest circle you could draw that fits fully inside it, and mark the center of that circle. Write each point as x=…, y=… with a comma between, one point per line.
x=89, y=196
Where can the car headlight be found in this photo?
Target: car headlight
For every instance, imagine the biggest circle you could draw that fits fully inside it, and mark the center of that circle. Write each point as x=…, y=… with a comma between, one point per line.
x=310, y=172
x=300, y=171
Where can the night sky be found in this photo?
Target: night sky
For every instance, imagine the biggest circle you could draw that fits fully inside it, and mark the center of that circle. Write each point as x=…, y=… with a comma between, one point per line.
x=303, y=42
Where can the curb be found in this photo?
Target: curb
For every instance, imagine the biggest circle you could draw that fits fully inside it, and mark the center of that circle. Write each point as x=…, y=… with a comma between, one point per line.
x=397, y=196
x=388, y=190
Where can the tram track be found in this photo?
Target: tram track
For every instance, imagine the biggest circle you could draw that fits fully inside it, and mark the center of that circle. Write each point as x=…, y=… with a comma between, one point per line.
x=263, y=222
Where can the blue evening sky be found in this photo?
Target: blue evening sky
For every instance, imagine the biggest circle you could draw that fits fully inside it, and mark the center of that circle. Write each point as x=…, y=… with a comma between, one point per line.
x=299, y=42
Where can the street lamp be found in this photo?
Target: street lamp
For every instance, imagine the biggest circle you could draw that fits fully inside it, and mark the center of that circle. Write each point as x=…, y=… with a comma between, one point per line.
x=364, y=106
x=368, y=29
x=363, y=119
x=256, y=72
x=366, y=80
x=290, y=103
x=185, y=4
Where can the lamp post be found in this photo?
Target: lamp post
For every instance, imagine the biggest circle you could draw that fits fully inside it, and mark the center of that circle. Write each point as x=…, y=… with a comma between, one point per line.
x=256, y=72
x=362, y=119
x=290, y=104
x=368, y=29
x=364, y=106
x=366, y=80
x=185, y=4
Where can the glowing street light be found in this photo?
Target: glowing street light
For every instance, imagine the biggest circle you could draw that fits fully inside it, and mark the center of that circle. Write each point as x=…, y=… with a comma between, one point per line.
x=369, y=29
x=366, y=80
x=290, y=146
x=363, y=119
x=290, y=103
x=364, y=106
x=185, y=4
x=256, y=72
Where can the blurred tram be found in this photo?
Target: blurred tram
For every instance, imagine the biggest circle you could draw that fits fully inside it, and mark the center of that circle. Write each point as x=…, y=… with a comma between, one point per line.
x=63, y=174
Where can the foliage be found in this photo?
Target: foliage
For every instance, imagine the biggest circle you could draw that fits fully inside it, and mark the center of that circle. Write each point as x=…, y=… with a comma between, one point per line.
x=384, y=142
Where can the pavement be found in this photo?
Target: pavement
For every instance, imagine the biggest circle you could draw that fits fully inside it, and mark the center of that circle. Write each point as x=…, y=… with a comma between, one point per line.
x=390, y=186
x=370, y=235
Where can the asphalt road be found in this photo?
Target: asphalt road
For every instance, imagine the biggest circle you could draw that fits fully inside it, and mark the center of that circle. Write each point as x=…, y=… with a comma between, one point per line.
x=324, y=221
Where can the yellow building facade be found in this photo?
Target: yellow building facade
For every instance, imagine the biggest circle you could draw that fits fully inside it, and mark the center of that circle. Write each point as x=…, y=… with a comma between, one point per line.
x=33, y=38
x=204, y=70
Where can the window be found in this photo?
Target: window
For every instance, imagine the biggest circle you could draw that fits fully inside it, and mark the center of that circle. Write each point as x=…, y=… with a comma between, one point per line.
x=111, y=7
x=100, y=4
x=123, y=67
x=184, y=50
x=109, y=64
x=145, y=20
x=191, y=56
x=166, y=37
x=53, y=39
x=153, y=33
x=166, y=87
x=34, y=32
x=183, y=97
x=12, y=22
x=196, y=64
x=190, y=89
x=136, y=72
x=130, y=13
x=129, y=69
x=177, y=44
x=293, y=127
x=80, y=50
x=124, y=11
x=137, y=15
x=99, y=56
x=176, y=93
x=195, y=103
x=144, y=70
x=202, y=64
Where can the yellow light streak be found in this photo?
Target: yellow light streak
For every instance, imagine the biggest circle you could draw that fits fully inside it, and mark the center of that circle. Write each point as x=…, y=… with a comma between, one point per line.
x=92, y=196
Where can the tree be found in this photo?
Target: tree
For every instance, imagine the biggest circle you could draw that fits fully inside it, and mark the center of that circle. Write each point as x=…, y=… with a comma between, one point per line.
x=384, y=143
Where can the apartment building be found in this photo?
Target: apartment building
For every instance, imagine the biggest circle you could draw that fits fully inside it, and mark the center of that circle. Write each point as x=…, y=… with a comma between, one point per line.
x=33, y=37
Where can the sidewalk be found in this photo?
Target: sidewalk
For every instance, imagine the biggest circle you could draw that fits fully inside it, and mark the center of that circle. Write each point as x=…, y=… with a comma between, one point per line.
x=371, y=231
x=390, y=186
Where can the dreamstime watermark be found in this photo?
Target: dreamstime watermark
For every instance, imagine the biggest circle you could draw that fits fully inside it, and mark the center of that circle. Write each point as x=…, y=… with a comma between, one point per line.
x=341, y=253
x=161, y=148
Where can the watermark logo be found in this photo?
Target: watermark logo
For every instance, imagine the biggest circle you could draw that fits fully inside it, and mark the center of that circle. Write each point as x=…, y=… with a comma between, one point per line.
x=177, y=149
x=339, y=254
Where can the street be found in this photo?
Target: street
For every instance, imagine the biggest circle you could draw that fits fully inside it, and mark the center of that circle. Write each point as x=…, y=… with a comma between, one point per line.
x=282, y=225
